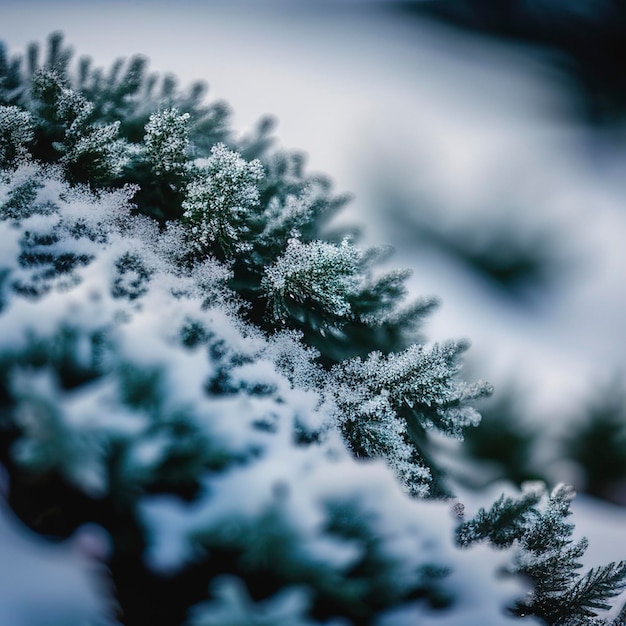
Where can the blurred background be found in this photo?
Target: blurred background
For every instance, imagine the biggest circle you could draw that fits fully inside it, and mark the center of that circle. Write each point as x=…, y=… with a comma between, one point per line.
x=486, y=141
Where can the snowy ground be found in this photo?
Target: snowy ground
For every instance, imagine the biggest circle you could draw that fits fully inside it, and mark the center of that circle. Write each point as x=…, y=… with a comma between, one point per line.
x=468, y=127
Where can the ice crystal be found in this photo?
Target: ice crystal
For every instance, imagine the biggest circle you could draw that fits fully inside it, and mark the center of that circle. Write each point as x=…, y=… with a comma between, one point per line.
x=313, y=277
x=16, y=132
x=220, y=202
x=167, y=140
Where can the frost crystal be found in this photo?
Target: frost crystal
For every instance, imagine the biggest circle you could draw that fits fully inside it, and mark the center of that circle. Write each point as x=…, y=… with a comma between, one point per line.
x=315, y=277
x=16, y=131
x=219, y=204
x=283, y=218
x=88, y=150
x=387, y=404
x=167, y=140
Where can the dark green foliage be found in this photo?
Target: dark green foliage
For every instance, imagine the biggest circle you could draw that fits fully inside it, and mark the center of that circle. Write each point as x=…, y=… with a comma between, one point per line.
x=389, y=404
x=65, y=131
x=504, y=523
x=16, y=133
x=535, y=524
x=591, y=591
x=504, y=445
x=21, y=200
x=90, y=121
x=132, y=277
x=598, y=444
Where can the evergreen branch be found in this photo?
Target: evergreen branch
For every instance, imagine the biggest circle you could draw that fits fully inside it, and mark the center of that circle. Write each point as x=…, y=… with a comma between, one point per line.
x=591, y=592
x=504, y=523
x=534, y=525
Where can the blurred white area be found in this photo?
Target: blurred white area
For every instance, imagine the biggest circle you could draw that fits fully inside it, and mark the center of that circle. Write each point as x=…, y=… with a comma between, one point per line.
x=375, y=98
x=47, y=584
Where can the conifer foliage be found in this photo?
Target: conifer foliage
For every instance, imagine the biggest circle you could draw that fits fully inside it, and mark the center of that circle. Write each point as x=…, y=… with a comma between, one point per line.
x=535, y=523
x=193, y=360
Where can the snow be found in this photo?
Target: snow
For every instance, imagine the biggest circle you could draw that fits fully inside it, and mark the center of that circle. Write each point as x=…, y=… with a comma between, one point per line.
x=44, y=584
x=232, y=606
x=221, y=199
x=315, y=274
x=237, y=504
